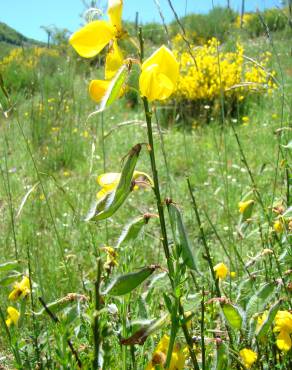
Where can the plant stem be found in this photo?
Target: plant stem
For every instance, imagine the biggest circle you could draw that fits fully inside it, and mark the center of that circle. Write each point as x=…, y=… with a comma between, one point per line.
x=96, y=331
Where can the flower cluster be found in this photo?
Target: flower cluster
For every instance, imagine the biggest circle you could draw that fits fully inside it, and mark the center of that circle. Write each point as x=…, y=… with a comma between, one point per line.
x=20, y=290
x=209, y=71
x=27, y=58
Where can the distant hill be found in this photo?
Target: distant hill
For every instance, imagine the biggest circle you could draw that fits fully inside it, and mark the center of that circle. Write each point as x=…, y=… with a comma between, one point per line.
x=10, y=38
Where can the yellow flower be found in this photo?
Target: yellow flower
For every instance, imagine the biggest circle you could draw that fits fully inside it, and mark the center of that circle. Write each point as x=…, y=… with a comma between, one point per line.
x=13, y=316
x=261, y=319
x=245, y=205
x=283, y=325
x=233, y=274
x=221, y=270
x=159, y=75
x=248, y=357
x=20, y=290
x=245, y=119
x=278, y=226
x=159, y=356
x=92, y=38
x=111, y=258
x=109, y=182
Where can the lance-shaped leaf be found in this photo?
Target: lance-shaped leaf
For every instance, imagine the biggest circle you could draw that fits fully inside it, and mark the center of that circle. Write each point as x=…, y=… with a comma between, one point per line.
x=233, y=315
x=7, y=266
x=112, y=201
x=180, y=236
x=267, y=323
x=145, y=331
x=62, y=303
x=132, y=229
x=259, y=300
x=124, y=284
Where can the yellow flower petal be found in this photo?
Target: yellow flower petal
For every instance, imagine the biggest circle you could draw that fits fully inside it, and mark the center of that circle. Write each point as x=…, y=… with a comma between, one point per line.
x=284, y=341
x=166, y=61
x=97, y=89
x=155, y=86
x=115, y=8
x=221, y=270
x=13, y=316
x=248, y=357
x=159, y=75
x=20, y=289
x=114, y=60
x=92, y=38
x=107, y=179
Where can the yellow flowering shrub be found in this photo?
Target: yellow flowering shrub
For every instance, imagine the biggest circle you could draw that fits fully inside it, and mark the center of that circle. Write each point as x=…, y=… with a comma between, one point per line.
x=209, y=71
x=27, y=58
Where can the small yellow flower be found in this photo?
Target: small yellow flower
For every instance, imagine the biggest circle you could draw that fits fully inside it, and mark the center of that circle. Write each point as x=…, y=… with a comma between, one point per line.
x=248, y=357
x=245, y=205
x=261, y=320
x=85, y=134
x=66, y=173
x=233, y=274
x=109, y=182
x=245, y=119
x=159, y=356
x=159, y=75
x=42, y=197
x=13, y=316
x=278, y=226
x=221, y=270
x=283, y=325
x=20, y=289
x=111, y=258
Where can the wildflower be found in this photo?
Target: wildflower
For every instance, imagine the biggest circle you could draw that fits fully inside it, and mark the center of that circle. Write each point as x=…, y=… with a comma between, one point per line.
x=13, y=316
x=233, y=274
x=159, y=356
x=111, y=259
x=85, y=134
x=221, y=270
x=109, y=182
x=261, y=319
x=243, y=206
x=92, y=38
x=20, y=290
x=283, y=325
x=278, y=226
x=159, y=75
x=42, y=197
x=245, y=119
x=248, y=357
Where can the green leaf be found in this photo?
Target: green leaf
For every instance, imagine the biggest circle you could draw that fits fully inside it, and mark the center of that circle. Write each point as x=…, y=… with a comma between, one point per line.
x=233, y=315
x=259, y=300
x=109, y=204
x=114, y=89
x=143, y=333
x=11, y=265
x=132, y=230
x=124, y=284
x=180, y=236
x=267, y=324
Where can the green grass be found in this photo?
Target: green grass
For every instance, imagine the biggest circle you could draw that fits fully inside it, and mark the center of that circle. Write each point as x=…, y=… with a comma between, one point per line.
x=59, y=151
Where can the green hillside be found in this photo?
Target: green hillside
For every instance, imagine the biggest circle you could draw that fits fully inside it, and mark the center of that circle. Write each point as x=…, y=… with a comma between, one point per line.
x=10, y=38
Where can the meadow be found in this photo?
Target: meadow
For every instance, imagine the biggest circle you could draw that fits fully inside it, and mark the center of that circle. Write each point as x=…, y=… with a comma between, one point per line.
x=180, y=257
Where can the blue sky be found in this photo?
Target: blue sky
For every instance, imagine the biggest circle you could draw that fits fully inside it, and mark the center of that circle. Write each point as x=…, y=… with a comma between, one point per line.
x=27, y=16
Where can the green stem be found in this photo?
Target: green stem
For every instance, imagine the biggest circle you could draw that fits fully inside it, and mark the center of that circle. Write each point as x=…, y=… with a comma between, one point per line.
x=96, y=331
